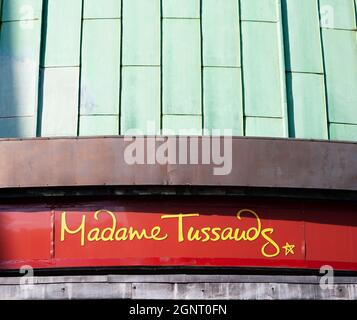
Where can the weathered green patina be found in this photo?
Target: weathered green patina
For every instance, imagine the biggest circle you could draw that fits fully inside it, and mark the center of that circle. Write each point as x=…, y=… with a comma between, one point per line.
x=280, y=68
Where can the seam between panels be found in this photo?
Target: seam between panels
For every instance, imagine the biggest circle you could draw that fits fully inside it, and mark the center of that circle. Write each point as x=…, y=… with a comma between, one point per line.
x=324, y=71
x=39, y=42
x=161, y=124
x=284, y=106
x=202, y=70
x=1, y=11
x=344, y=123
x=121, y=45
x=80, y=72
x=242, y=98
x=240, y=22
x=42, y=67
x=1, y=8
x=1, y=24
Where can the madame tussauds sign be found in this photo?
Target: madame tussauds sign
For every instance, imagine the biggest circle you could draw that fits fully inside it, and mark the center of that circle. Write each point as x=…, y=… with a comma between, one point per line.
x=94, y=229
x=153, y=231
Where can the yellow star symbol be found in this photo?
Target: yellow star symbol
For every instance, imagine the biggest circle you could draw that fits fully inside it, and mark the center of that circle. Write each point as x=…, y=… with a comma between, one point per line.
x=289, y=249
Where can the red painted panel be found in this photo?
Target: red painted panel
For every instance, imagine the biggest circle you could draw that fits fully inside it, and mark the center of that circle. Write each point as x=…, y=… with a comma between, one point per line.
x=331, y=234
x=172, y=247
x=216, y=232
x=25, y=235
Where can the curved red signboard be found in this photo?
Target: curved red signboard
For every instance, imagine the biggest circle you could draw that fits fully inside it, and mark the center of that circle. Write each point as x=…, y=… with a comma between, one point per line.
x=210, y=232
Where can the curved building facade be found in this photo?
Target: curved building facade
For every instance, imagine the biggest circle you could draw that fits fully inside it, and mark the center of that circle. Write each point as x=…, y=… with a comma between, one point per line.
x=259, y=68
x=178, y=149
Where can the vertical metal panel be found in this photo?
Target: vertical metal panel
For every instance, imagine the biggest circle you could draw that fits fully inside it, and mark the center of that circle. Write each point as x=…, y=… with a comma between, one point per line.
x=59, y=104
x=182, y=125
x=15, y=10
x=99, y=125
x=61, y=60
x=221, y=33
x=264, y=67
x=141, y=99
x=94, y=9
x=20, y=36
x=340, y=47
x=181, y=66
x=307, y=106
x=259, y=10
x=264, y=127
x=100, y=77
x=100, y=69
x=181, y=9
x=19, y=58
x=223, y=99
x=141, y=32
x=222, y=83
x=304, y=63
x=341, y=131
x=261, y=69
x=63, y=33
x=21, y=127
x=343, y=11
x=141, y=73
x=302, y=36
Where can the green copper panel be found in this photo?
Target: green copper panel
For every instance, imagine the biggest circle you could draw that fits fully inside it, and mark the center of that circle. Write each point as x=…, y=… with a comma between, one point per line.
x=99, y=125
x=141, y=99
x=340, y=48
x=182, y=125
x=258, y=67
x=59, y=103
x=19, y=69
x=262, y=69
x=342, y=11
x=264, y=127
x=101, y=9
x=63, y=33
x=221, y=33
x=18, y=127
x=223, y=107
x=181, y=66
x=347, y=132
x=307, y=106
x=181, y=9
x=100, y=78
x=15, y=10
x=303, y=51
x=141, y=32
x=259, y=10
x=20, y=42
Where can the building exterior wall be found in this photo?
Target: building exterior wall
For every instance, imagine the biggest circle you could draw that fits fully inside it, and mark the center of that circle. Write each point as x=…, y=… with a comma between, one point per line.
x=259, y=67
x=178, y=287
x=268, y=68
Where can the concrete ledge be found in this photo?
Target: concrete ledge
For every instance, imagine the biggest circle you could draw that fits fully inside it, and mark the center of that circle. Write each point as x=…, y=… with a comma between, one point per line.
x=181, y=287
